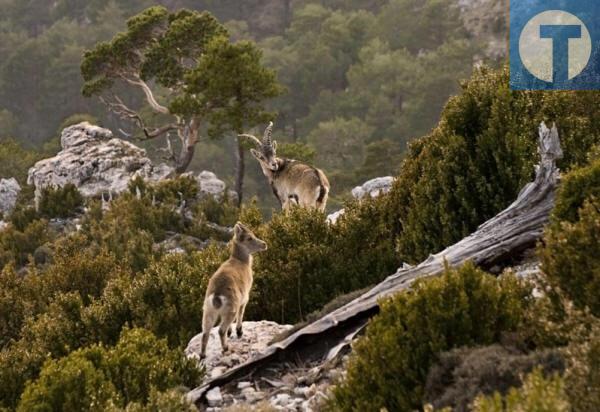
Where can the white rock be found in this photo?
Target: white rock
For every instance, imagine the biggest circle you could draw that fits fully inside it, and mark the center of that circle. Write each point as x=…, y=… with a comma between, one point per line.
x=218, y=371
x=210, y=184
x=282, y=399
x=9, y=192
x=301, y=391
x=253, y=396
x=256, y=337
x=214, y=397
x=243, y=385
x=373, y=187
x=95, y=163
x=333, y=218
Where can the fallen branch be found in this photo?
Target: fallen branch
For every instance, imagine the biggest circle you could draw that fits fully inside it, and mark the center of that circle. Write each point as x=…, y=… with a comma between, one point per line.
x=514, y=230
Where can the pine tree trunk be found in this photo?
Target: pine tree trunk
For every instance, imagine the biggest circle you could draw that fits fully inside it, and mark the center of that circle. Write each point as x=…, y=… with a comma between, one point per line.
x=240, y=170
x=185, y=158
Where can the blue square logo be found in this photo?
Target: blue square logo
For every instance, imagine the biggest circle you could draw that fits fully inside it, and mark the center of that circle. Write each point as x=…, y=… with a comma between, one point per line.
x=555, y=44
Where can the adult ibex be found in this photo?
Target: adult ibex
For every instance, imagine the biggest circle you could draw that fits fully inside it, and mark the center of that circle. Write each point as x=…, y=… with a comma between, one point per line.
x=293, y=182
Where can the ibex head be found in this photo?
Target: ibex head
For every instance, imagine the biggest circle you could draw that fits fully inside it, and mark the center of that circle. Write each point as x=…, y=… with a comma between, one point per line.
x=248, y=240
x=266, y=153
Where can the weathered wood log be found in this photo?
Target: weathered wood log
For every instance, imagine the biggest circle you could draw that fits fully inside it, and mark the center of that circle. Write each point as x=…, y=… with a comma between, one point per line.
x=514, y=230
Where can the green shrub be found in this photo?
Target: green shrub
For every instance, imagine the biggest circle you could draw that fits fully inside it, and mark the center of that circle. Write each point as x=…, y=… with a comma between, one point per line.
x=166, y=299
x=70, y=384
x=140, y=362
x=538, y=394
x=169, y=401
x=479, y=157
x=22, y=216
x=19, y=245
x=582, y=378
x=570, y=257
x=75, y=269
x=52, y=334
x=464, y=307
x=88, y=379
x=60, y=202
x=575, y=188
x=223, y=212
x=309, y=262
x=15, y=160
x=462, y=374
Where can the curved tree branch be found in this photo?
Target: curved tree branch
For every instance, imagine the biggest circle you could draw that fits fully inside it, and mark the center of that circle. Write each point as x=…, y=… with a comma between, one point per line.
x=157, y=107
x=123, y=111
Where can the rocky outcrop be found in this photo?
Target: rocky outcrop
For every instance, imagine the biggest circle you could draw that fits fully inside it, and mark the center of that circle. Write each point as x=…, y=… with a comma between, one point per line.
x=96, y=162
x=210, y=185
x=9, y=192
x=372, y=188
x=256, y=337
x=304, y=388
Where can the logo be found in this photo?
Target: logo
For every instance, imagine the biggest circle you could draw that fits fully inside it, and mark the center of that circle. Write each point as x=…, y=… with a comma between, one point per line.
x=555, y=44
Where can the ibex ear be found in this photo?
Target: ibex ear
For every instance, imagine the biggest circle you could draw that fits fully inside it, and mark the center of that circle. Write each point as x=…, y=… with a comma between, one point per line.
x=238, y=229
x=274, y=145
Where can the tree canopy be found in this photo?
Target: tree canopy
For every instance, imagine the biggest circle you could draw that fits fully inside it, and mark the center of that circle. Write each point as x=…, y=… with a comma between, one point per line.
x=190, y=75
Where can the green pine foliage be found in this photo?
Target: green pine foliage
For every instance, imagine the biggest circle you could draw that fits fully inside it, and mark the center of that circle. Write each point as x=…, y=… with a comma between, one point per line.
x=575, y=188
x=60, y=202
x=463, y=307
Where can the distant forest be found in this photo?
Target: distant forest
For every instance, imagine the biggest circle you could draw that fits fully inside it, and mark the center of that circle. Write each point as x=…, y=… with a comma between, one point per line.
x=362, y=77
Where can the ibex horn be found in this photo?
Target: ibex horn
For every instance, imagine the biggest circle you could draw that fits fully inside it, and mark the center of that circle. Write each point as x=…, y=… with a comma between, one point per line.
x=254, y=139
x=267, y=140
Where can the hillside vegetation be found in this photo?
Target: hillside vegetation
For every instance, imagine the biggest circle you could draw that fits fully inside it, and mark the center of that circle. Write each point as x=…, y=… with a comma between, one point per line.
x=96, y=308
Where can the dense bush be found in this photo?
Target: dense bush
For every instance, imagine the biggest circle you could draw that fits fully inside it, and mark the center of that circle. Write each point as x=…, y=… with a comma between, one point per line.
x=464, y=307
x=165, y=299
x=575, y=188
x=462, y=374
x=537, y=394
x=478, y=158
x=571, y=259
x=18, y=246
x=59, y=202
x=309, y=262
x=92, y=378
x=582, y=378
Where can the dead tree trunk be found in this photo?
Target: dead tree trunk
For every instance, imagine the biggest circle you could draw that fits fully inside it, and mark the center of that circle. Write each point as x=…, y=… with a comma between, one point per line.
x=514, y=230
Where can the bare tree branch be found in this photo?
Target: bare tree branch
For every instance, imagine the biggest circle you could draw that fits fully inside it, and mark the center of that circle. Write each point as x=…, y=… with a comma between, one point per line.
x=123, y=111
x=157, y=107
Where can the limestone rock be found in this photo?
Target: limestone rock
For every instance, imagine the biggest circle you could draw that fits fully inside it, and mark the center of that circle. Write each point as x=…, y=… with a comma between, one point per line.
x=9, y=192
x=95, y=162
x=256, y=337
x=373, y=187
x=214, y=397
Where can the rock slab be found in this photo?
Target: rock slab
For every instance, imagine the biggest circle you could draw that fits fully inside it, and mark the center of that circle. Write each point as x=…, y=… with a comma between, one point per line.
x=95, y=162
x=9, y=192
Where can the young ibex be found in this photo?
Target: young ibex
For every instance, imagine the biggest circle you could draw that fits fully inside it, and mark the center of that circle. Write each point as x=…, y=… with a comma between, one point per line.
x=229, y=288
x=293, y=182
